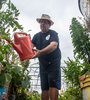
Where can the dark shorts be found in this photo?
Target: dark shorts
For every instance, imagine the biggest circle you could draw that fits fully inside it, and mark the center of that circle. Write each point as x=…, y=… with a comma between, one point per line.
x=50, y=77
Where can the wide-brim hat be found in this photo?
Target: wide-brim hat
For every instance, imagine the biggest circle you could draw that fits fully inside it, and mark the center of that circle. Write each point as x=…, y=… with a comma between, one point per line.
x=45, y=16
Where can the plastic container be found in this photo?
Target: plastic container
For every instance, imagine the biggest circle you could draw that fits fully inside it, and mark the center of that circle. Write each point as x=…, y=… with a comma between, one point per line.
x=23, y=45
x=85, y=86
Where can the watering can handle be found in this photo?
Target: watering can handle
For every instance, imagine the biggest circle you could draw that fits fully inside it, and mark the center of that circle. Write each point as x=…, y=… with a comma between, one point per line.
x=20, y=33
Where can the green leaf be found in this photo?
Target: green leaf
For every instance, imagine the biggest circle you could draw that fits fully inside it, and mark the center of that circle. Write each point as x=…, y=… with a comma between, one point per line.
x=2, y=79
x=17, y=69
x=25, y=83
x=9, y=4
x=15, y=29
x=1, y=58
x=5, y=78
x=17, y=24
x=8, y=77
x=0, y=6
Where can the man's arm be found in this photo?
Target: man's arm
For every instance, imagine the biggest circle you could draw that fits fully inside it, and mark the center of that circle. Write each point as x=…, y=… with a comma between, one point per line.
x=50, y=48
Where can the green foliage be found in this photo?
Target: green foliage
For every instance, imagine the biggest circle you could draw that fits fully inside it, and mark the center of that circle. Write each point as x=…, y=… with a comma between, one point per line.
x=71, y=94
x=8, y=19
x=72, y=72
x=80, y=40
x=74, y=69
x=81, y=63
x=28, y=96
x=2, y=2
x=33, y=96
x=6, y=78
x=20, y=81
x=12, y=70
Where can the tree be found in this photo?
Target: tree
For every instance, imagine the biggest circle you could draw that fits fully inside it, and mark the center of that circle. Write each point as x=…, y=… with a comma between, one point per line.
x=80, y=40
x=81, y=64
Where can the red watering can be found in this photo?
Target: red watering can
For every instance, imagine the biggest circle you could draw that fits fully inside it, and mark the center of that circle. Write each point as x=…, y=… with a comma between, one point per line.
x=23, y=45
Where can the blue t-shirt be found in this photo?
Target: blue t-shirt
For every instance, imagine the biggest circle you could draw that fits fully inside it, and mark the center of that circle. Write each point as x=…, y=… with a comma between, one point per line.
x=42, y=40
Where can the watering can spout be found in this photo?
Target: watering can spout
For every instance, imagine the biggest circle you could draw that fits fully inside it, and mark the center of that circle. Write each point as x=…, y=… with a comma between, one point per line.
x=15, y=46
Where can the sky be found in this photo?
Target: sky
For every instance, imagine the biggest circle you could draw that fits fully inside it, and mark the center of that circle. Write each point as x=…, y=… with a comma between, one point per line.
x=60, y=11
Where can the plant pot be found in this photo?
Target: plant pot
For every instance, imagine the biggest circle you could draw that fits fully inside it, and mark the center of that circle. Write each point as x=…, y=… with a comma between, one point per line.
x=85, y=86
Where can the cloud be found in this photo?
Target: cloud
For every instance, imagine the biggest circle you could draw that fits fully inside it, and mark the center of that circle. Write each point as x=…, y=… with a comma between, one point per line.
x=56, y=8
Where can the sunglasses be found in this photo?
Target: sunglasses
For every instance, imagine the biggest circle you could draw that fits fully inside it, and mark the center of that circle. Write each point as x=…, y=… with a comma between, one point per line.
x=45, y=21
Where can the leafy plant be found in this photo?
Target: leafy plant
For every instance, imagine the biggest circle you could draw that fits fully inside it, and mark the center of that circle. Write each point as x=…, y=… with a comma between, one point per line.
x=81, y=40
x=81, y=63
x=72, y=72
x=12, y=70
x=71, y=94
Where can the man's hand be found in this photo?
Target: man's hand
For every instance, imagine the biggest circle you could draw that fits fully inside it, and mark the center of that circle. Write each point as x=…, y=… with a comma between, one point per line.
x=50, y=48
x=37, y=53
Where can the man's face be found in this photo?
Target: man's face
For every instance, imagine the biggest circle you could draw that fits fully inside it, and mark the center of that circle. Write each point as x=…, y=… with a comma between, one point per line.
x=44, y=25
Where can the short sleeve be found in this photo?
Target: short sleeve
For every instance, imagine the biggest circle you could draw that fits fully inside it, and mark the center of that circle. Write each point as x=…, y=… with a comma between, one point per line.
x=54, y=37
x=34, y=40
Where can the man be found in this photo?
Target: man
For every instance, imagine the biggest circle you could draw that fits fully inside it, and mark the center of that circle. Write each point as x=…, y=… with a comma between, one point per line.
x=49, y=55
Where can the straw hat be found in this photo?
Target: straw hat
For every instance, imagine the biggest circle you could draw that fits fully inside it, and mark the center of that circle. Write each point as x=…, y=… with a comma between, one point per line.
x=45, y=16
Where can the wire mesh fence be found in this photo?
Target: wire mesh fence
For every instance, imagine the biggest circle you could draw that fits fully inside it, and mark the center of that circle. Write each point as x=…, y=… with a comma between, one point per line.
x=35, y=78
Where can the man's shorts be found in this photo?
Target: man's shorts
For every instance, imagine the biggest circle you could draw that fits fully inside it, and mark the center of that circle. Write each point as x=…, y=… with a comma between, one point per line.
x=51, y=76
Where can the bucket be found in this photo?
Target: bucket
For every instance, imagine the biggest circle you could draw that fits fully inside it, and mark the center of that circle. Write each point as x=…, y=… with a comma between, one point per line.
x=85, y=86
